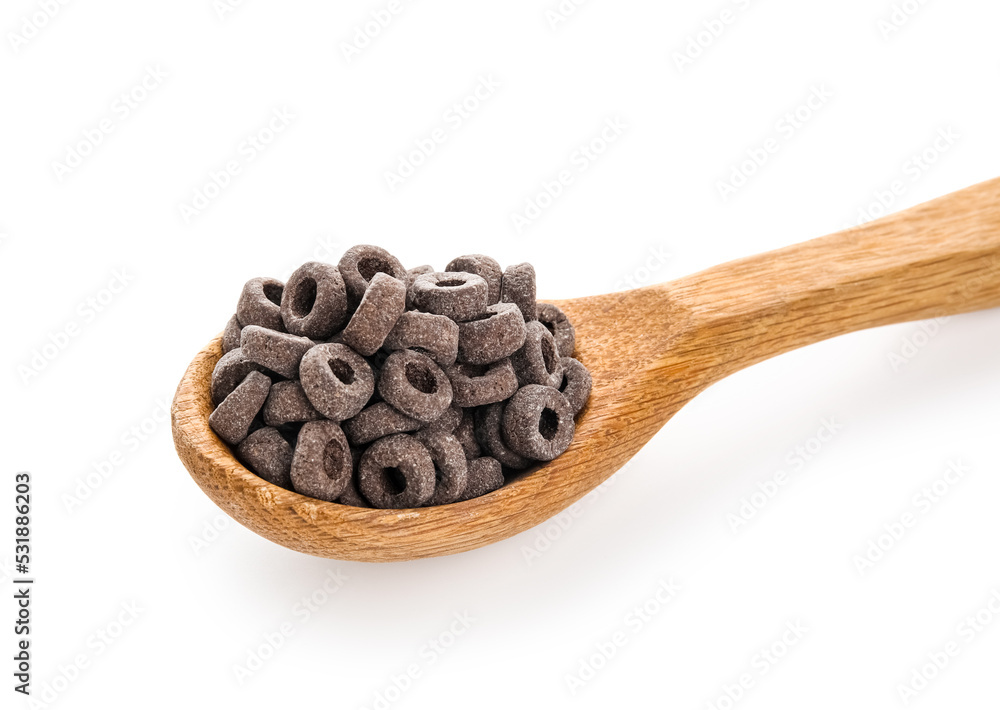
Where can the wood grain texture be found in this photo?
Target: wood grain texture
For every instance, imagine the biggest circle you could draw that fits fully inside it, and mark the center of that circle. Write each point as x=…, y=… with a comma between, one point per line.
x=650, y=351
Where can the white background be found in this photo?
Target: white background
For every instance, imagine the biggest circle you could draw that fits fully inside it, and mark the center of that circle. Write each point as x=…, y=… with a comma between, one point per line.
x=146, y=535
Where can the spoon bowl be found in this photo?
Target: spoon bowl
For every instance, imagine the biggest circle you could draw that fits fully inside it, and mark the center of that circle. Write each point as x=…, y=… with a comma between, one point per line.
x=650, y=351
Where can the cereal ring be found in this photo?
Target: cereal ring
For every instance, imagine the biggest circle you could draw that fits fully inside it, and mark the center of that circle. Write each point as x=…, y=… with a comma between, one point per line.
x=518, y=286
x=558, y=324
x=378, y=420
x=412, y=383
x=352, y=496
x=232, y=418
x=495, y=334
x=288, y=403
x=337, y=381
x=360, y=263
x=230, y=371
x=448, y=420
x=484, y=476
x=429, y=333
x=321, y=466
x=450, y=466
x=380, y=308
x=484, y=266
x=476, y=385
x=576, y=384
x=396, y=472
x=231, y=335
x=260, y=303
x=537, y=362
x=538, y=423
x=465, y=432
x=280, y=352
x=314, y=303
x=411, y=276
x=489, y=420
x=269, y=455
x=456, y=294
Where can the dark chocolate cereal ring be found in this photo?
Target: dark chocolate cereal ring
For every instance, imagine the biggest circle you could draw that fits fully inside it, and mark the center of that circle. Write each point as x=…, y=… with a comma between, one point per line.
x=321, y=466
x=269, y=455
x=493, y=335
x=229, y=372
x=231, y=335
x=450, y=466
x=286, y=403
x=518, y=286
x=430, y=333
x=352, y=496
x=396, y=472
x=411, y=276
x=538, y=423
x=484, y=476
x=380, y=308
x=232, y=418
x=279, y=352
x=489, y=424
x=484, y=266
x=314, y=303
x=448, y=420
x=558, y=324
x=378, y=420
x=360, y=263
x=465, y=432
x=337, y=381
x=537, y=362
x=476, y=385
x=260, y=303
x=576, y=384
x=414, y=384
x=456, y=294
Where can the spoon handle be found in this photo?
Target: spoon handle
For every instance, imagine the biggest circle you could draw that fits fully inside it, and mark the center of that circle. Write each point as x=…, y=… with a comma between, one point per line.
x=939, y=258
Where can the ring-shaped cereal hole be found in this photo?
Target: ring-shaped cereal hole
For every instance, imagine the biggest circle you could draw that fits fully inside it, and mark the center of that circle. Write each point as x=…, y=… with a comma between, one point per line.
x=273, y=292
x=548, y=423
x=368, y=266
x=336, y=455
x=303, y=297
x=393, y=480
x=420, y=377
x=342, y=370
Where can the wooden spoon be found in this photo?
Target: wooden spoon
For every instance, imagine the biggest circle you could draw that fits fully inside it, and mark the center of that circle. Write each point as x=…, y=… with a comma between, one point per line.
x=650, y=351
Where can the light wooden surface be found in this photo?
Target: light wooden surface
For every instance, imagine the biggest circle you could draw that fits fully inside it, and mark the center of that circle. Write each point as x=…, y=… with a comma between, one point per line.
x=650, y=351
